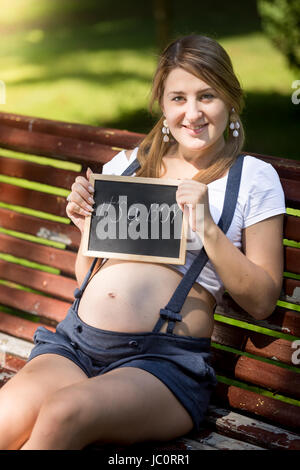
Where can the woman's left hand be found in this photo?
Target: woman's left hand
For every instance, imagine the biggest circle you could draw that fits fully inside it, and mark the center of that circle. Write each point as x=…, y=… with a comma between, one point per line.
x=192, y=198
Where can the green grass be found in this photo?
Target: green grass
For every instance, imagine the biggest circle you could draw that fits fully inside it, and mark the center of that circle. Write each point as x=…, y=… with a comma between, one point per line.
x=87, y=62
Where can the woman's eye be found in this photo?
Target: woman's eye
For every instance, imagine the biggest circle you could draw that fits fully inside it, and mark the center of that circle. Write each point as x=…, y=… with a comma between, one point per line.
x=177, y=98
x=207, y=96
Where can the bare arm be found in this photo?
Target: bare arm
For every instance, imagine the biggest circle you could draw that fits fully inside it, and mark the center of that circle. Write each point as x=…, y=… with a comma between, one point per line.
x=253, y=278
x=79, y=207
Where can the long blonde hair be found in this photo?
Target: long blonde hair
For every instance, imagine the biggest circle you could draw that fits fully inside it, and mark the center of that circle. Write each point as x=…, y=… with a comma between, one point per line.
x=206, y=59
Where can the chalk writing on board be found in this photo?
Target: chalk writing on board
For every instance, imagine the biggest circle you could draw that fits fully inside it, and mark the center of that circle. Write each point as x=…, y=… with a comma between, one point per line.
x=135, y=219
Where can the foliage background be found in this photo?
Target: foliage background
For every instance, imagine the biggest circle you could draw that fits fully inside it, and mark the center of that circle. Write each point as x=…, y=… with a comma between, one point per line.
x=92, y=62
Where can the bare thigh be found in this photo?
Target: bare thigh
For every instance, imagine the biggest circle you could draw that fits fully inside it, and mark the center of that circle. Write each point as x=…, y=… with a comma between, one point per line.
x=22, y=396
x=136, y=407
x=124, y=406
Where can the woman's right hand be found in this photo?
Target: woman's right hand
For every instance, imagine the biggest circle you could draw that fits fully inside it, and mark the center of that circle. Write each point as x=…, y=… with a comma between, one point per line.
x=80, y=200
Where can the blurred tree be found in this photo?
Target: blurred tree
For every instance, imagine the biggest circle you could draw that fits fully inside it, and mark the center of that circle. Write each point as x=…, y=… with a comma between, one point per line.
x=281, y=22
x=162, y=10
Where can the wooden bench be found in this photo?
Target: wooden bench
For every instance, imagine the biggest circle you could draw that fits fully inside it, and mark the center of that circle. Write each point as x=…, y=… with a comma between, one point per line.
x=257, y=401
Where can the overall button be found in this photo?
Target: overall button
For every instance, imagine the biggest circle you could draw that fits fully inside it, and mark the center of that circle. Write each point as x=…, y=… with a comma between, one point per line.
x=75, y=345
x=133, y=343
x=79, y=328
x=77, y=293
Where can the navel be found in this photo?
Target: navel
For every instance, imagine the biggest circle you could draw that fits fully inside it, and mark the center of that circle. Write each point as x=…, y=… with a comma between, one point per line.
x=112, y=295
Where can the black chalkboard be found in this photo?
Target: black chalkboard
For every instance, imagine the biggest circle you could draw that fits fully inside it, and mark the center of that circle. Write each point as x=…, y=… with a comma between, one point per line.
x=135, y=219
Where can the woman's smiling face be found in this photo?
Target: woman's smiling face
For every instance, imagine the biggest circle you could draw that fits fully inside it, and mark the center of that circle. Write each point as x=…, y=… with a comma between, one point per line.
x=195, y=113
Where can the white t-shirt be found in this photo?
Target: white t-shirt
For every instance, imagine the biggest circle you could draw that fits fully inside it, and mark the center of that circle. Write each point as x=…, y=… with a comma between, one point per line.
x=260, y=196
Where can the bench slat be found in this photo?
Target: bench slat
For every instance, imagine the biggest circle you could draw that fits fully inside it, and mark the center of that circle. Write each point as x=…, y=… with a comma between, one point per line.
x=46, y=255
x=48, y=145
x=35, y=304
x=51, y=284
x=251, y=342
x=275, y=411
x=272, y=377
x=11, y=362
x=291, y=288
x=14, y=350
x=31, y=171
x=255, y=372
x=282, y=319
x=114, y=137
x=48, y=229
x=292, y=259
x=285, y=167
x=217, y=442
x=251, y=429
x=19, y=327
x=31, y=199
x=291, y=192
x=291, y=227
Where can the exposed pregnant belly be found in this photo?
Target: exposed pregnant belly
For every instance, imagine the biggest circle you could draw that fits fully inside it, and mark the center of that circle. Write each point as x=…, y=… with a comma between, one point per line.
x=127, y=297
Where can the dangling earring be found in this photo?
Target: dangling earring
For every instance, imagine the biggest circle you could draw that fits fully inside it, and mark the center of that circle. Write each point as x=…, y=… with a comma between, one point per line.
x=234, y=124
x=165, y=130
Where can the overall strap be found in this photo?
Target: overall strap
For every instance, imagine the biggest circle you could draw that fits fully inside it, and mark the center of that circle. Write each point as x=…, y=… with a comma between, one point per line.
x=131, y=168
x=79, y=291
x=174, y=306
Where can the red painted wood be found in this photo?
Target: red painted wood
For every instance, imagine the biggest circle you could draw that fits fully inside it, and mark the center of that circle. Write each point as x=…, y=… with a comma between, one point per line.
x=31, y=171
x=54, y=285
x=55, y=231
x=19, y=327
x=273, y=410
x=106, y=136
x=46, y=255
x=292, y=227
x=52, y=309
x=262, y=345
x=48, y=145
x=31, y=199
x=282, y=319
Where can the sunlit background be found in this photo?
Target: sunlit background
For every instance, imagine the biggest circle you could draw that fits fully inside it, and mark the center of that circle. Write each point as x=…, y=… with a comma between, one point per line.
x=92, y=62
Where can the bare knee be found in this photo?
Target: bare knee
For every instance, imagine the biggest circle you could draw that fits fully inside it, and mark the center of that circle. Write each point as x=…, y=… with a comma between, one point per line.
x=16, y=418
x=57, y=424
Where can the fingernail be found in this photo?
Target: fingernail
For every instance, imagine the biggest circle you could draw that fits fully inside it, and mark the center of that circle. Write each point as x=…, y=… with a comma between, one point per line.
x=91, y=200
x=91, y=189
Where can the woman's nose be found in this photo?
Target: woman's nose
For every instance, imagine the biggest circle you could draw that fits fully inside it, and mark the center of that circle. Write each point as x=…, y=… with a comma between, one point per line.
x=193, y=111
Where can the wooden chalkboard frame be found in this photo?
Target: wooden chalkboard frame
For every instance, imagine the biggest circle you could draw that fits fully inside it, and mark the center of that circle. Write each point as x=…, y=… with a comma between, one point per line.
x=88, y=251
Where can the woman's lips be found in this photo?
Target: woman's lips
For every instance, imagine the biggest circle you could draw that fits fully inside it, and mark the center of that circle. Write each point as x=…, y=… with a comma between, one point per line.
x=196, y=129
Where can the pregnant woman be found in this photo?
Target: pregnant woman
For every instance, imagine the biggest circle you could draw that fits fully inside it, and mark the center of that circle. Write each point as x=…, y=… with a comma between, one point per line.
x=131, y=360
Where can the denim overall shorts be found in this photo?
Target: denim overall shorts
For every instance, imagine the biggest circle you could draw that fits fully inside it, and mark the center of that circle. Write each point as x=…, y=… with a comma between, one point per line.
x=182, y=363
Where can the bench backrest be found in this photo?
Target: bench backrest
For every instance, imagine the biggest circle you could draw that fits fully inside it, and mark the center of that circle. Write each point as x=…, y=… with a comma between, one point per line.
x=257, y=362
